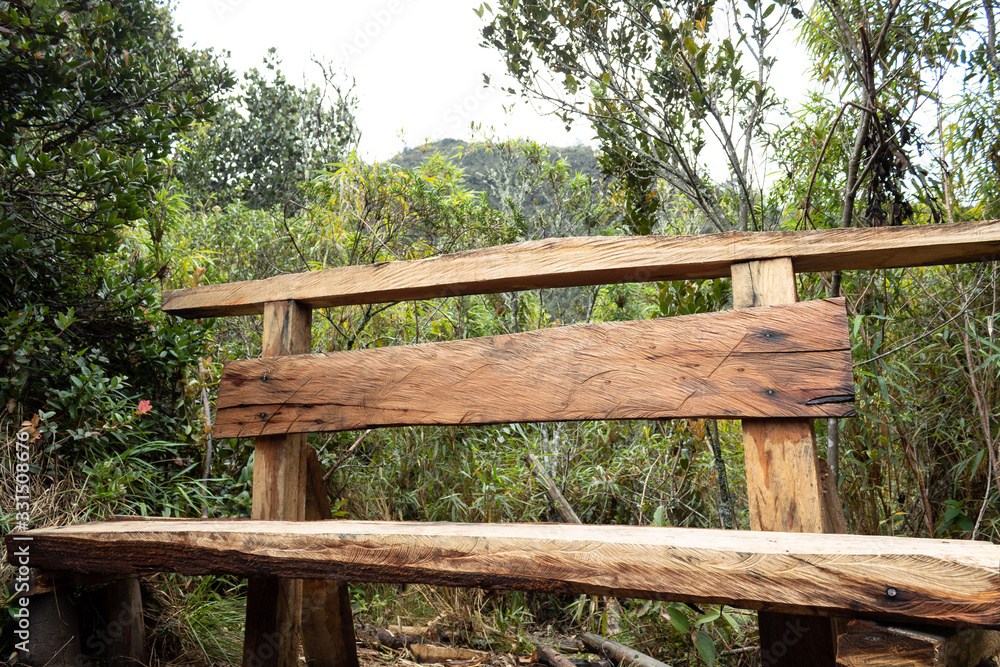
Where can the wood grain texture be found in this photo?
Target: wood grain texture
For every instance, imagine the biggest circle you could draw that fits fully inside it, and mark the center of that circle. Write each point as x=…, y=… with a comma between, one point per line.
x=785, y=361
x=764, y=283
x=273, y=625
x=549, y=656
x=126, y=627
x=940, y=581
x=327, y=620
x=595, y=261
x=783, y=481
x=868, y=644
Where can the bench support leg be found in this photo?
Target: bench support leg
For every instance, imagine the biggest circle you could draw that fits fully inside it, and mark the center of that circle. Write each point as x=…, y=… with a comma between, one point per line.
x=272, y=629
x=274, y=605
x=126, y=629
x=54, y=632
x=327, y=620
x=784, y=485
x=869, y=644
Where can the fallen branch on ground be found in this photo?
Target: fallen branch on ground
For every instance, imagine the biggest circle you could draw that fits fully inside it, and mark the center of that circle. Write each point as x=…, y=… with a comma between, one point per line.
x=621, y=655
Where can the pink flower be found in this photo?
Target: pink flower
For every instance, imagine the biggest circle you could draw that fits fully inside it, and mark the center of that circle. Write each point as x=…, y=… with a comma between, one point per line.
x=144, y=407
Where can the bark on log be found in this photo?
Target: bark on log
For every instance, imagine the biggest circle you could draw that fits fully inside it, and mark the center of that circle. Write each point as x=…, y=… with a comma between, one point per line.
x=431, y=654
x=549, y=656
x=561, y=644
x=621, y=655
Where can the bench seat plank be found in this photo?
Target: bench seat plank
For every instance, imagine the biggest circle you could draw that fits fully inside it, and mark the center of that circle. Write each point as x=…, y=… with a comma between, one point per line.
x=782, y=361
x=948, y=582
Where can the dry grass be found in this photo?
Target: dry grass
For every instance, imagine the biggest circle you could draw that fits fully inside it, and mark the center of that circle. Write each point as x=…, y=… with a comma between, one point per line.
x=55, y=501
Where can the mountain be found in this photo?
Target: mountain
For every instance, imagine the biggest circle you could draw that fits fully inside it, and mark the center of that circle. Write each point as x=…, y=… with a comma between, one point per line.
x=490, y=168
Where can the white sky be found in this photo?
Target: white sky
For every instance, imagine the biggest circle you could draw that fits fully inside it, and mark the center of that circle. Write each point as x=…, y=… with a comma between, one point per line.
x=418, y=64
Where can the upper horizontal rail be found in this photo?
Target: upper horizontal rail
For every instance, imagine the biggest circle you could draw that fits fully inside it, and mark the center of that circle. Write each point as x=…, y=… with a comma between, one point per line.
x=596, y=260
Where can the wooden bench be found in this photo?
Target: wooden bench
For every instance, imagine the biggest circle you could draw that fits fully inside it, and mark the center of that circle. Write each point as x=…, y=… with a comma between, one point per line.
x=774, y=363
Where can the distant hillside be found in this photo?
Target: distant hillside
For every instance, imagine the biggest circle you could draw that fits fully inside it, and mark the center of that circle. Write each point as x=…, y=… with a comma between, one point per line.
x=485, y=171
x=500, y=174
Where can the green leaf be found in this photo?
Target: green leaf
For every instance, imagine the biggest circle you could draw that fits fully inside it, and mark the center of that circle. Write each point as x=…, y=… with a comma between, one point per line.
x=708, y=617
x=706, y=647
x=677, y=618
x=658, y=518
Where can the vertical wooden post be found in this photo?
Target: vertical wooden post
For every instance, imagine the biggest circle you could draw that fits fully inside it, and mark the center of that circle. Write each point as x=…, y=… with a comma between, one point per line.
x=274, y=605
x=783, y=481
x=327, y=620
x=126, y=630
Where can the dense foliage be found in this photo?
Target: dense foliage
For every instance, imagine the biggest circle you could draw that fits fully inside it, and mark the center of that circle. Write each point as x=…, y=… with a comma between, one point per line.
x=127, y=167
x=266, y=138
x=94, y=94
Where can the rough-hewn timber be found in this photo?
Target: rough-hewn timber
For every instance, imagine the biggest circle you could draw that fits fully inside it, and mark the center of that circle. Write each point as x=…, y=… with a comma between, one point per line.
x=783, y=361
x=868, y=644
x=783, y=481
x=936, y=581
x=279, y=473
x=327, y=620
x=595, y=261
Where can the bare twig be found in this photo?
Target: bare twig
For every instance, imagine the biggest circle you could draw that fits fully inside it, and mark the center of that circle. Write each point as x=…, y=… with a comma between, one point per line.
x=819, y=160
x=343, y=457
x=202, y=372
x=557, y=499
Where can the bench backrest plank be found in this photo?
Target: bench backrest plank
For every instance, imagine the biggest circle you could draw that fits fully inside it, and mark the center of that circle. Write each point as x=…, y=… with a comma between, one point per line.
x=785, y=361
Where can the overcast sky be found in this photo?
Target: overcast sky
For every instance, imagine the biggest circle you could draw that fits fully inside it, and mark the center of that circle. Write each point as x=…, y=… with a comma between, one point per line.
x=418, y=64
